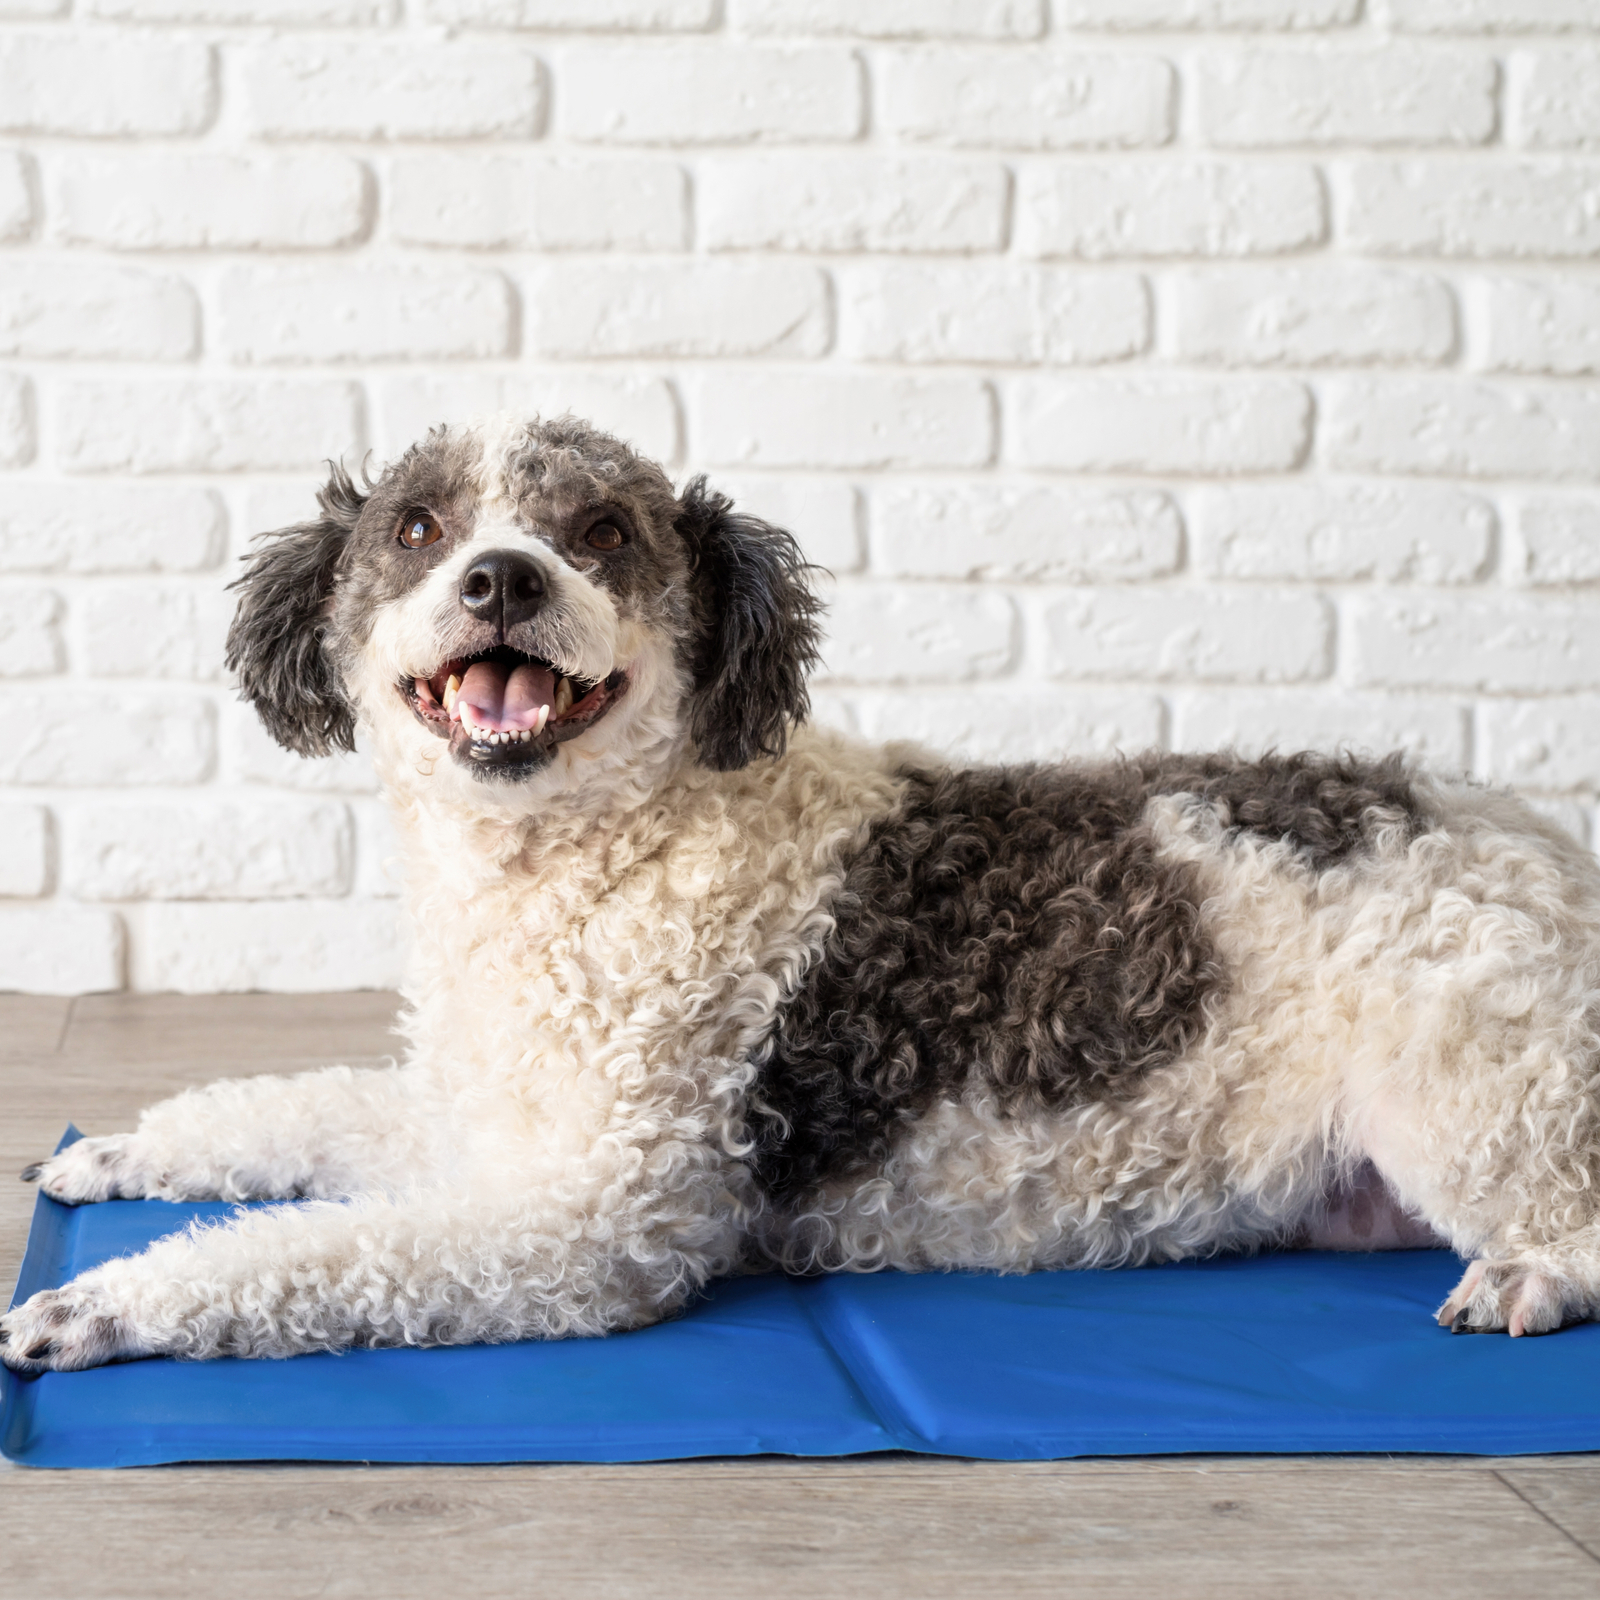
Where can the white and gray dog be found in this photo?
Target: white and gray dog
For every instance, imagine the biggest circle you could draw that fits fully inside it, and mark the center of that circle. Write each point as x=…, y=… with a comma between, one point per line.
x=696, y=990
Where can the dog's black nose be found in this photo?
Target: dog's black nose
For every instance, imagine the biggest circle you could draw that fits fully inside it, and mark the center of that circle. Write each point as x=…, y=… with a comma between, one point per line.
x=503, y=587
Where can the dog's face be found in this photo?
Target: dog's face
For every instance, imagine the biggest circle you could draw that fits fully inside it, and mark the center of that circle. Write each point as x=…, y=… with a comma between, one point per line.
x=510, y=598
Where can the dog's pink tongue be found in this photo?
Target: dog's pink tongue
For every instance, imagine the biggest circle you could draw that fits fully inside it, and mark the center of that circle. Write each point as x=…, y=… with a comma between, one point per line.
x=527, y=689
x=500, y=702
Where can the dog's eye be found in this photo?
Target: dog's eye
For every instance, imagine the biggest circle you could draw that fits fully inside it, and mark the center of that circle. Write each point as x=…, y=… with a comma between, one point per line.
x=418, y=529
x=605, y=536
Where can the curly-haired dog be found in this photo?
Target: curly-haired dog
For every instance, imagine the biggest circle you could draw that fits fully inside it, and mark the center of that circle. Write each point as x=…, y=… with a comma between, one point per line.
x=697, y=990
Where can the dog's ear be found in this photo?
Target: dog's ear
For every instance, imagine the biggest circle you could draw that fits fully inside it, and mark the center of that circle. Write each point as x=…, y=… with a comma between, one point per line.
x=278, y=643
x=760, y=630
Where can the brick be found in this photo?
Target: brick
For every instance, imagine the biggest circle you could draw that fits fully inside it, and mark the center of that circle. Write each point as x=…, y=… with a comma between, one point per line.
x=60, y=949
x=1160, y=423
x=589, y=15
x=638, y=408
x=16, y=420
x=822, y=513
x=283, y=947
x=268, y=13
x=536, y=203
x=1336, y=314
x=16, y=196
x=96, y=736
x=1545, y=324
x=712, y=93
x=1169, y=208
x=1165, y=635
x=1554, y=98
x=1549, y=743
x=1037, y=100
x=153, y=631
x=1342, y=533
x=30, y=642
x=275, y=503
x=908, y=311
x=250, y=755
x=380, y=866
x=894, y=19
x=848, y=202
x=1398, y=94
x=204, y=425
x=208, y=202
x=1432, y=729
x=1496, y=644
x=1024, y=534
x=340, y=313
x=1135, y=14
x=1517, y=208
x=782, y=418
x=389, y=89
x=207, y=850
x=1491, y=16
x=86, y=528
x=881, y=633
x=25, y=860
x=103, y=85
x=991, y=725
x=1560, y=540
x=94, y=309
x=690, y=308
x=1457, y=427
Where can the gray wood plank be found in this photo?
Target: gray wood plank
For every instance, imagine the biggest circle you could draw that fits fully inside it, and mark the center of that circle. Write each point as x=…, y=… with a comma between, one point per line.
x=704, y=1530
x=1567, y=1492
x=31, y=1024
x=229, y=1030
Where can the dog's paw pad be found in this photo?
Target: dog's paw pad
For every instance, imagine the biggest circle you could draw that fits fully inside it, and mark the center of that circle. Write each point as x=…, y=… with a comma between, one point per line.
x=90, y=1170
x=1510, y=1297
x=63, y=1330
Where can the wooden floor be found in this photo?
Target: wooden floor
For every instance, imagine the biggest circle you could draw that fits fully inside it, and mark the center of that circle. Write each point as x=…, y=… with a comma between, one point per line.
x=884, y=1527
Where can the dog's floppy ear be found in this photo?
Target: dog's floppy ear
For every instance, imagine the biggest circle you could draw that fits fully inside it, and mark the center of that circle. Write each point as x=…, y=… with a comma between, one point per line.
x=278, y=642
x=760, y=630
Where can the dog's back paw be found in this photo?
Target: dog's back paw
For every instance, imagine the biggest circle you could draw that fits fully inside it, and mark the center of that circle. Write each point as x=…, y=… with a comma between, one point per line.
x=1512, y=1297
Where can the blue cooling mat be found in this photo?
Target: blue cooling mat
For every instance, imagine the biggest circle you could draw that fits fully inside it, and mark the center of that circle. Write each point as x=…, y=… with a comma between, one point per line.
x=1303, y=1352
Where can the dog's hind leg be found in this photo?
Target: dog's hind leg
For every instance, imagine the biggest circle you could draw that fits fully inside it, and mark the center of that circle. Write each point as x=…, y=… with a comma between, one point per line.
x=326, y=1133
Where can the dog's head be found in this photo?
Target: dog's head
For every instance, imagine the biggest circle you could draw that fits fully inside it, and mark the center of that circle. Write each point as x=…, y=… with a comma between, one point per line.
x=510, y=596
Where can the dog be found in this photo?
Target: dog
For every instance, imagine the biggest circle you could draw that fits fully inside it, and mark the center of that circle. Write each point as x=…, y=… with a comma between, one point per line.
x=699, y=989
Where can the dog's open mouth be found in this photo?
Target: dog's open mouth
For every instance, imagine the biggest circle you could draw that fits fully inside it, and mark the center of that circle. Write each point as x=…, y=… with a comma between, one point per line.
x=504, y=708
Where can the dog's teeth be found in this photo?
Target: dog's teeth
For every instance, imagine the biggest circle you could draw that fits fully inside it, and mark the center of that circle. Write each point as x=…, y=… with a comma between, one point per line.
x=563, y=697
x=543, y=717
x=451, y=689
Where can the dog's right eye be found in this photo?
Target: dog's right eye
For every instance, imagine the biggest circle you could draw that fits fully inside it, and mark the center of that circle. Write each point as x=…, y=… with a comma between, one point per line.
x=419, y=528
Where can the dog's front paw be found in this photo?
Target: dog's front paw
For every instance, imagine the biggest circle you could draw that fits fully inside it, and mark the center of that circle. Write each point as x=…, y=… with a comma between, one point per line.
x=1511, y=1297
x=91, y=1170
x=63, y=1330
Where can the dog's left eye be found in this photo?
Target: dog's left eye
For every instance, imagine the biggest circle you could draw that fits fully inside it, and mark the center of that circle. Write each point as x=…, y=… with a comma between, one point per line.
x=419, y=529
x=604, y=536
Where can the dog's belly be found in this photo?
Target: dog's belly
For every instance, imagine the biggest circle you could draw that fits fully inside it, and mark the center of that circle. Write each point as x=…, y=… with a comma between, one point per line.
x=1361, y=1213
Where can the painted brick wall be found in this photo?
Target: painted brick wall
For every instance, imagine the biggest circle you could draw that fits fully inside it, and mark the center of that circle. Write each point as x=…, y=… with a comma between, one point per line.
x=1148, y=371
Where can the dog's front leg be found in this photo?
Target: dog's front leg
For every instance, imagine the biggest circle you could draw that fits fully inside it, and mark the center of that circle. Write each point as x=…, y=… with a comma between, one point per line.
x=436, y=1267
x=331, y=1132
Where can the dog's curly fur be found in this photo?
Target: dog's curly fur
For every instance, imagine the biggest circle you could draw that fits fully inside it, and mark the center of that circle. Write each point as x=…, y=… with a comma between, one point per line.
x=696, y=989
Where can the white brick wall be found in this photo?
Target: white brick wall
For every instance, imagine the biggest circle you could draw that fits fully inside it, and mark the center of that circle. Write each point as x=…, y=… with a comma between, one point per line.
x=1181, y=372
